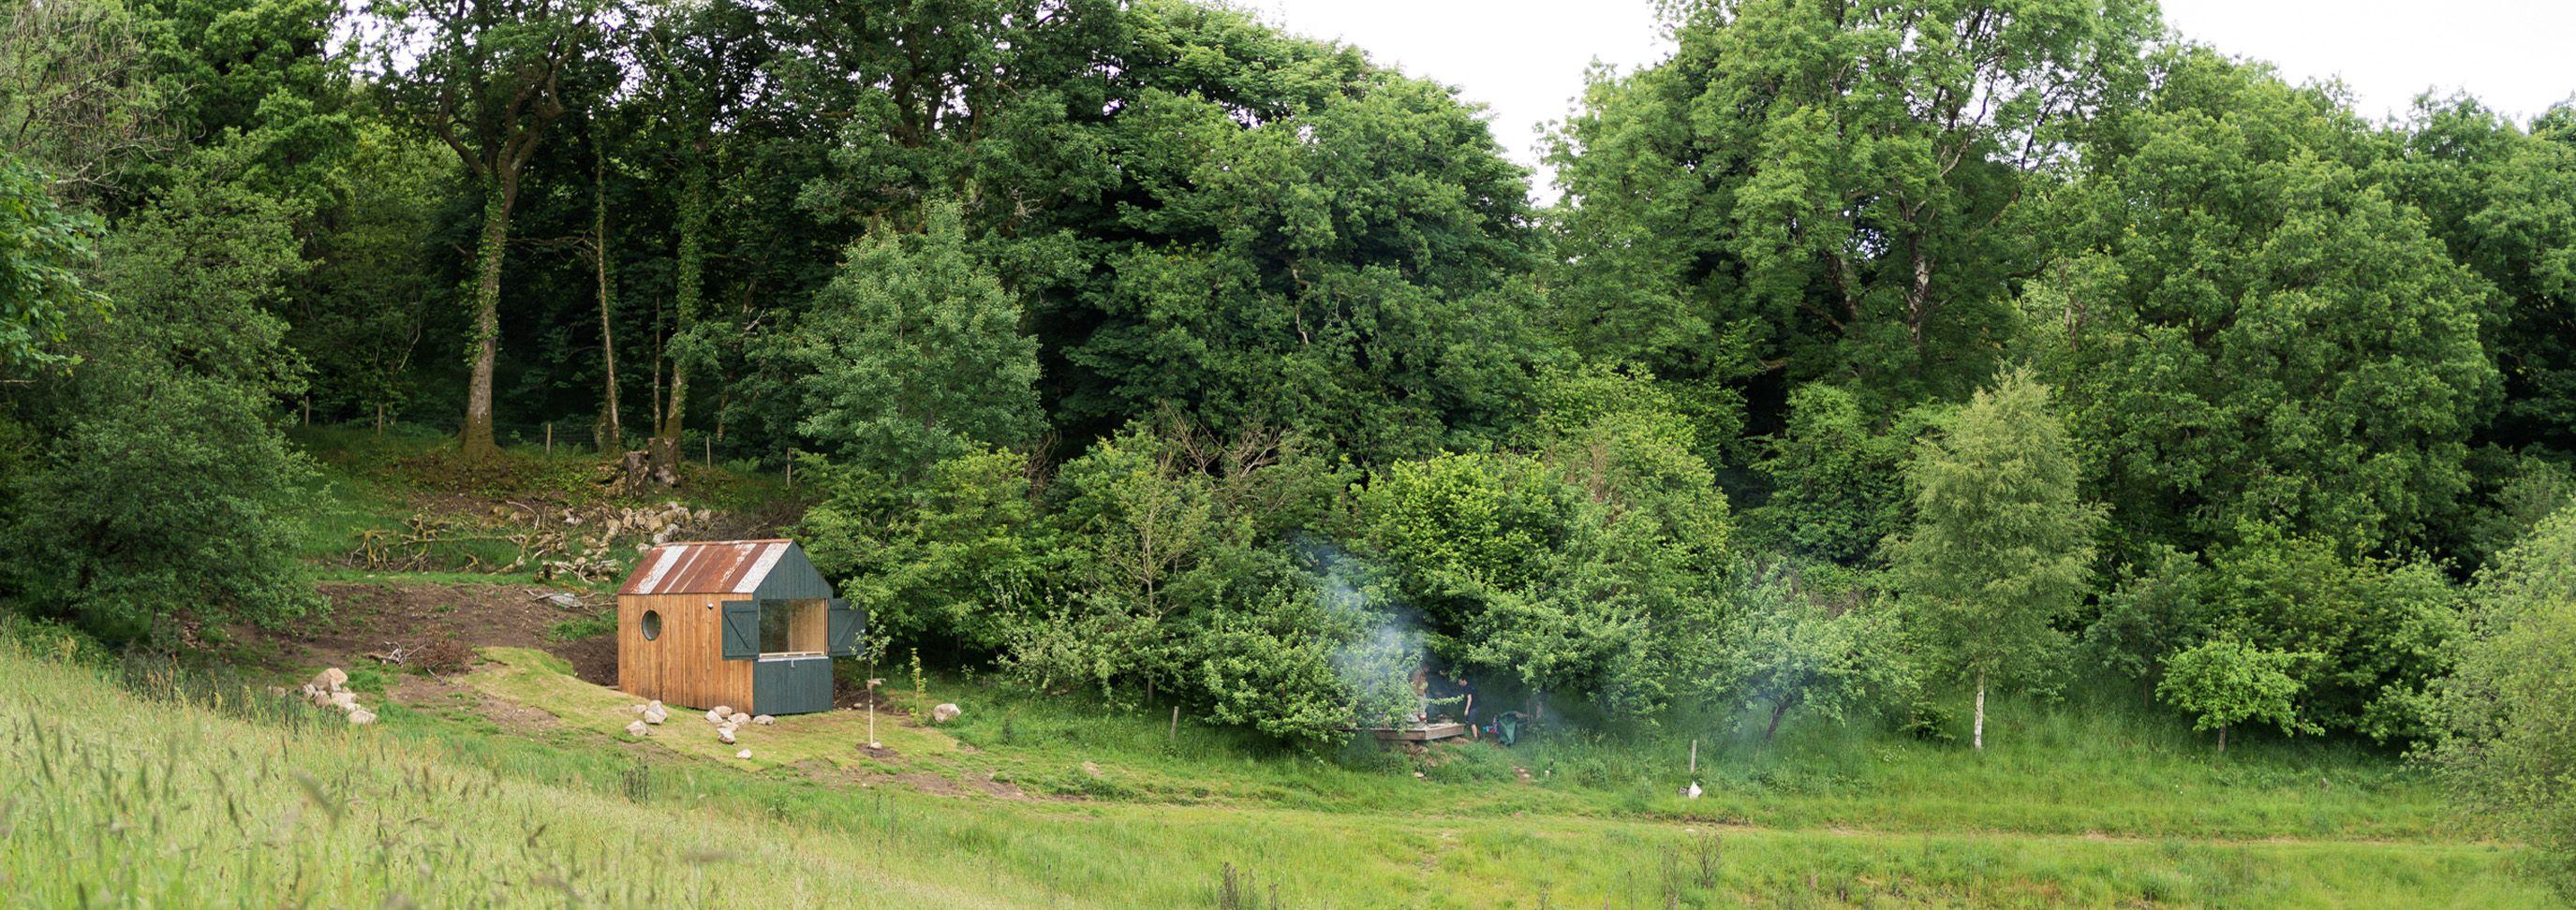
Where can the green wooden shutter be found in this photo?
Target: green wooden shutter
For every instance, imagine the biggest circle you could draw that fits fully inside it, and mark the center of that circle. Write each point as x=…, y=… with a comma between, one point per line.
x=741, y=629
x=844, y=628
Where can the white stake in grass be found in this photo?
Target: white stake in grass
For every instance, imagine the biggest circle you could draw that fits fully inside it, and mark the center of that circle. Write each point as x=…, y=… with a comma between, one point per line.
x=872, y=713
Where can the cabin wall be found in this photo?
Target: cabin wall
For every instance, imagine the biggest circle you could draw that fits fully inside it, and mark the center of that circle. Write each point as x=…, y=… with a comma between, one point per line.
x=685, y=666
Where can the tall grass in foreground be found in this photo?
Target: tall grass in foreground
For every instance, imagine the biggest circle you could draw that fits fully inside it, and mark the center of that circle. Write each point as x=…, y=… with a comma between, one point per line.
x=207, y=795
x=228, y=797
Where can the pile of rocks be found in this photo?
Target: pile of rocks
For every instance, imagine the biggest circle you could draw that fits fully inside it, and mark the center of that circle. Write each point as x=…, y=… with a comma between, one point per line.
x=649, y=715
x=728, y=720
x=330, y=689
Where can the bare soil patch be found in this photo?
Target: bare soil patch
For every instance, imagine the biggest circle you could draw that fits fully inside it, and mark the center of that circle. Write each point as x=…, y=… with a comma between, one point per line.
x=377, y=616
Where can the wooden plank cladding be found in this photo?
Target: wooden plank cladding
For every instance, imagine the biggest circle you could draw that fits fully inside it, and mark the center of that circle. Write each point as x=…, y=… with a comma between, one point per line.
x=674, y=641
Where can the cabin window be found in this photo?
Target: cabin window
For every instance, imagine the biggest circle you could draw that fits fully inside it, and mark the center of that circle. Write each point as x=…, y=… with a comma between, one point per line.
x=651, y=624
x=793, y=626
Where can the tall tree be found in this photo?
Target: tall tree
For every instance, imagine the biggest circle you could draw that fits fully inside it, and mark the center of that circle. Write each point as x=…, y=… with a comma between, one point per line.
x=1827, y=189
x=2311, y=357
x=2002, y=545
x=2503, y=201
x=915, y=355
x=487, y=78
x=256, y=72
x=706, y=68
x=1200, y=211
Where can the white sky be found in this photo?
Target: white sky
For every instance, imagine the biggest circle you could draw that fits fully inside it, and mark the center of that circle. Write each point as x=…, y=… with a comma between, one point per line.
x=1524, y=59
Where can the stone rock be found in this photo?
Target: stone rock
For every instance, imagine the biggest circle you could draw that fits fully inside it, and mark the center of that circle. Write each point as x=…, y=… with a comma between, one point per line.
x=945, y=712
x=746, y=753
x=330, y=678
x=316, y=697
x=764, y=720
x=637, y=708
x=637, y=729
x=344, y=700
x=724, y=735
x=361, y=716
x=656, y=716
x=717, y=714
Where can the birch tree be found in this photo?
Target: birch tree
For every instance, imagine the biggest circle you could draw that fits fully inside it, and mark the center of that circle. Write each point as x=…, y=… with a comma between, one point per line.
x=2001, y=544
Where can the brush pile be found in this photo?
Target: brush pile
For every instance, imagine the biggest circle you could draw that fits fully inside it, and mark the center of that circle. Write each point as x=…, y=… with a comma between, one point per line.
x=582, y=546
x=557, y=541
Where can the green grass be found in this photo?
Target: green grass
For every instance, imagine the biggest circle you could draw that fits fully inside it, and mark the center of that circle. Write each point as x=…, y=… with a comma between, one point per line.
x=2079, y=768
x=207, y=795
x=596, y=624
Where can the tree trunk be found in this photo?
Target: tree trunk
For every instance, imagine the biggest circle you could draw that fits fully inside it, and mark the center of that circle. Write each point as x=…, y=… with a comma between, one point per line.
x=2222, y=739
x=1977, y=735
x=612, y=435
x=688, y=295
x=1918, y=297
x=476, y=439
x=653, y=408
x=1778, y=711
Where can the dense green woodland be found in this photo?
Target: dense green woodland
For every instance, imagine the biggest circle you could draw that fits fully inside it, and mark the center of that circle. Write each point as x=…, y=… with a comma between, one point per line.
x=1875, y=357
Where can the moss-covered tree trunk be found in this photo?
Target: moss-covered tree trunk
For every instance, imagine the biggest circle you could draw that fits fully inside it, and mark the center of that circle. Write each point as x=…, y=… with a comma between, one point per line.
x=476, y=438
x=689, y=296
x=612, y=433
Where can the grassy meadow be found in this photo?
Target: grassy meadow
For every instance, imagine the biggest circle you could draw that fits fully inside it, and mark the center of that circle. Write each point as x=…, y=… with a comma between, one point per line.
x=140, y=787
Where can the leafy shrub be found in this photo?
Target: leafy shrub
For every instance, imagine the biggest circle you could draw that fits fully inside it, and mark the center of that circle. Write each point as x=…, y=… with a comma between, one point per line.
x=2224, y=682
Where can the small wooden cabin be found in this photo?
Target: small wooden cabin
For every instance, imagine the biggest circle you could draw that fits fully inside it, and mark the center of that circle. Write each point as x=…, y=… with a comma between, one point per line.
x=747, y=624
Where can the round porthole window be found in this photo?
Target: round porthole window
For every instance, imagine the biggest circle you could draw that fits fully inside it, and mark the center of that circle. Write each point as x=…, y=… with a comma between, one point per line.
x=652, y=624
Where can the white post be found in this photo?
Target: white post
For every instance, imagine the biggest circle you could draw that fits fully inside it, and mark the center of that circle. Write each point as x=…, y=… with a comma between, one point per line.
x=872, y=712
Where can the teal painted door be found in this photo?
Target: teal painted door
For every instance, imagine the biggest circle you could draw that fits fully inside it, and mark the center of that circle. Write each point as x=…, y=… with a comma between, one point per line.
x=791, y=685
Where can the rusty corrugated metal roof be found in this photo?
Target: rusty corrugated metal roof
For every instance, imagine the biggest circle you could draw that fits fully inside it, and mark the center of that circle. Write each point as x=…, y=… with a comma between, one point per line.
x=705, y=567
